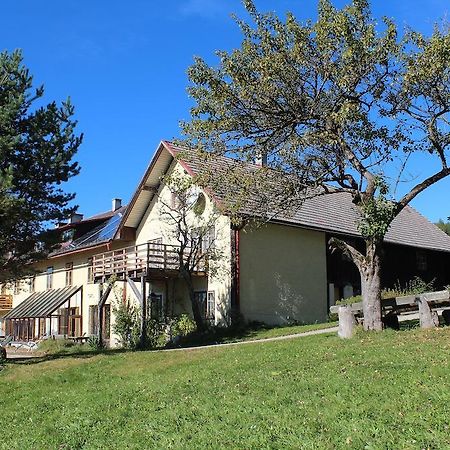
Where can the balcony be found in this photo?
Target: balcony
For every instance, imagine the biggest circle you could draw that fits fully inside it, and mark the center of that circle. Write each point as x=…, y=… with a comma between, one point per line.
x=140, y=260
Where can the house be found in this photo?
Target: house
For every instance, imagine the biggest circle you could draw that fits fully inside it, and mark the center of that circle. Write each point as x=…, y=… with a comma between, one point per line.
x=278, y=273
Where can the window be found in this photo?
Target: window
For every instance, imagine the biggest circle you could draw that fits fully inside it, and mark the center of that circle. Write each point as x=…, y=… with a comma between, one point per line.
x=16, y=287
x=69, y=274
x=175, y=202
x=209, y=239
x=421, y=261
x=93, y=319
x=156, y=306
x=63, y=321
x=211, y=306
x=90, y=273
x=32, y=285
x=204, y=239
x=207, y=304
x=50, y=277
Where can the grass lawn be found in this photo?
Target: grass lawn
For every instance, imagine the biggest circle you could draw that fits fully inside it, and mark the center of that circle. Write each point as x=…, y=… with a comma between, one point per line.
x=221, y=335
x=377, y=391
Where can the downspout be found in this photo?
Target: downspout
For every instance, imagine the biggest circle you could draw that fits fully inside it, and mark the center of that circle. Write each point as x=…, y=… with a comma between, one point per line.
x=235, y=270
x=238, y=271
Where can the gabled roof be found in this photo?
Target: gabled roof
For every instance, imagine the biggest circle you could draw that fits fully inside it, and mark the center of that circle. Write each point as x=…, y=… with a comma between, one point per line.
x=148, y=185
x=334, y=213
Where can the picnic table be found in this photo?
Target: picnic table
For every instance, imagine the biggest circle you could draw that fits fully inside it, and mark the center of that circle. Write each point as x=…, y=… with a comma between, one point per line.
x=79, y=339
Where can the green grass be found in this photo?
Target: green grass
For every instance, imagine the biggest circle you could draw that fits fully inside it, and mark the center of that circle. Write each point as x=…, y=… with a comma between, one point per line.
x=220, y=335
x=376, y=391
x=62, y=347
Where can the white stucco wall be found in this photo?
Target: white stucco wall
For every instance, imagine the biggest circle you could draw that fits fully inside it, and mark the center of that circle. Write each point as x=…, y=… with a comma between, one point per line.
x=283, y=275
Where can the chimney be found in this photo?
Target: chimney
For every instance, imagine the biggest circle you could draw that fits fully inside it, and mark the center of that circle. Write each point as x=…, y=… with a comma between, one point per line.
x=261, y=159
x=75, y=218
x=116, y=204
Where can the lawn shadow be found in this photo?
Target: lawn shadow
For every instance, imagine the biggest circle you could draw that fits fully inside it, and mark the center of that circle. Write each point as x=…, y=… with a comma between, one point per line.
x=31, y=360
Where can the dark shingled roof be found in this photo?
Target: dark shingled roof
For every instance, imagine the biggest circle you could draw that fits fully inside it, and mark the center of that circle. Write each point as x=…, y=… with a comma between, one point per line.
x=336, y=213
x=42, y=304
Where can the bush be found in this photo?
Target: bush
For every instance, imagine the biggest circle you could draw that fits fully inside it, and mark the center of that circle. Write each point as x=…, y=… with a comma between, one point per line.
x=2, y=355
x=416, y=286
x=183, y=325
x=95, y=343
x=126, y=325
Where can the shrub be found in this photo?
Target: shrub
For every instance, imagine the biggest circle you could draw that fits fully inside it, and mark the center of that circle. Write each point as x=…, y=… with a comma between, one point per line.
x=2, y=356
x=95, y=343
x=416, y=286
x=126, y=325
x=183, y=325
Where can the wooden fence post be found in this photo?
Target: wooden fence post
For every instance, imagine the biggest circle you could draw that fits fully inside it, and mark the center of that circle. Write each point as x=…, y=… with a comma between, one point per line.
x=346, y=322
x=428, y=318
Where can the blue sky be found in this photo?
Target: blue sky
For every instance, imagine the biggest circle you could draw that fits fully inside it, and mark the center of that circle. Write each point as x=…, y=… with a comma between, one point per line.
x=124, y=66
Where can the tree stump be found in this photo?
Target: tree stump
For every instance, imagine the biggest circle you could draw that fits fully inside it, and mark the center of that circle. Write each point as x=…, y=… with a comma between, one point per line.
x=428, y=319
x=346, y=322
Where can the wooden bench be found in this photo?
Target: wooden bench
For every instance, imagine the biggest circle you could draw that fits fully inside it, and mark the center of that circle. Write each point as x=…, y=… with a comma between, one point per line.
x=426, y=307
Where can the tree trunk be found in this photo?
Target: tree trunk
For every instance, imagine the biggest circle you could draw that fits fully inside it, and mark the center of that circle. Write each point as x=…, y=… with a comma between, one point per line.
x=371, y=287
x=195, y=306
x=196, y=311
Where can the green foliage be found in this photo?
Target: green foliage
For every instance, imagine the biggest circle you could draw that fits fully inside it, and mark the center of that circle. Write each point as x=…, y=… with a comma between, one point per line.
x=377, y=213
x=381, y=391
x=2, y=357
x=416, y=286
x=183, y=325
x=444, y=226
x=53, y=347
x=95, y=343
x=158, y=332
x=37, y=146
x=126, y=324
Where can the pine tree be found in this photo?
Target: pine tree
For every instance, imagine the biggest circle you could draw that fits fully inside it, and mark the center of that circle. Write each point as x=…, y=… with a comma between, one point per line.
x=37, y=147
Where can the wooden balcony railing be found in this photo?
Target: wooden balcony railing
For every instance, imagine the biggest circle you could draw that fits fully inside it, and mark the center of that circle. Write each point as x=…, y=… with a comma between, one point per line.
x=137, y=259
x=6, y=301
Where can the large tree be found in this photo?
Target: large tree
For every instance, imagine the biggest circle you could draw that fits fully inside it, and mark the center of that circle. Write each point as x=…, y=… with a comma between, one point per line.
x=37, y=146
x=342, y=104
x=192, y=225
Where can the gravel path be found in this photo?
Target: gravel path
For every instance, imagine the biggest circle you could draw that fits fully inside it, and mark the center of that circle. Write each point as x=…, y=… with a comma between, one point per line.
x=26, y=355
x=257, y=341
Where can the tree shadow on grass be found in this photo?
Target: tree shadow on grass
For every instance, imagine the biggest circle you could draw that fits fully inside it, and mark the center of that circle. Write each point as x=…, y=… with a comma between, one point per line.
x=85, y=354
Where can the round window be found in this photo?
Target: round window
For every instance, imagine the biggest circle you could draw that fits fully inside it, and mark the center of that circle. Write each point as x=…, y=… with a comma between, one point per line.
x=200, y=204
